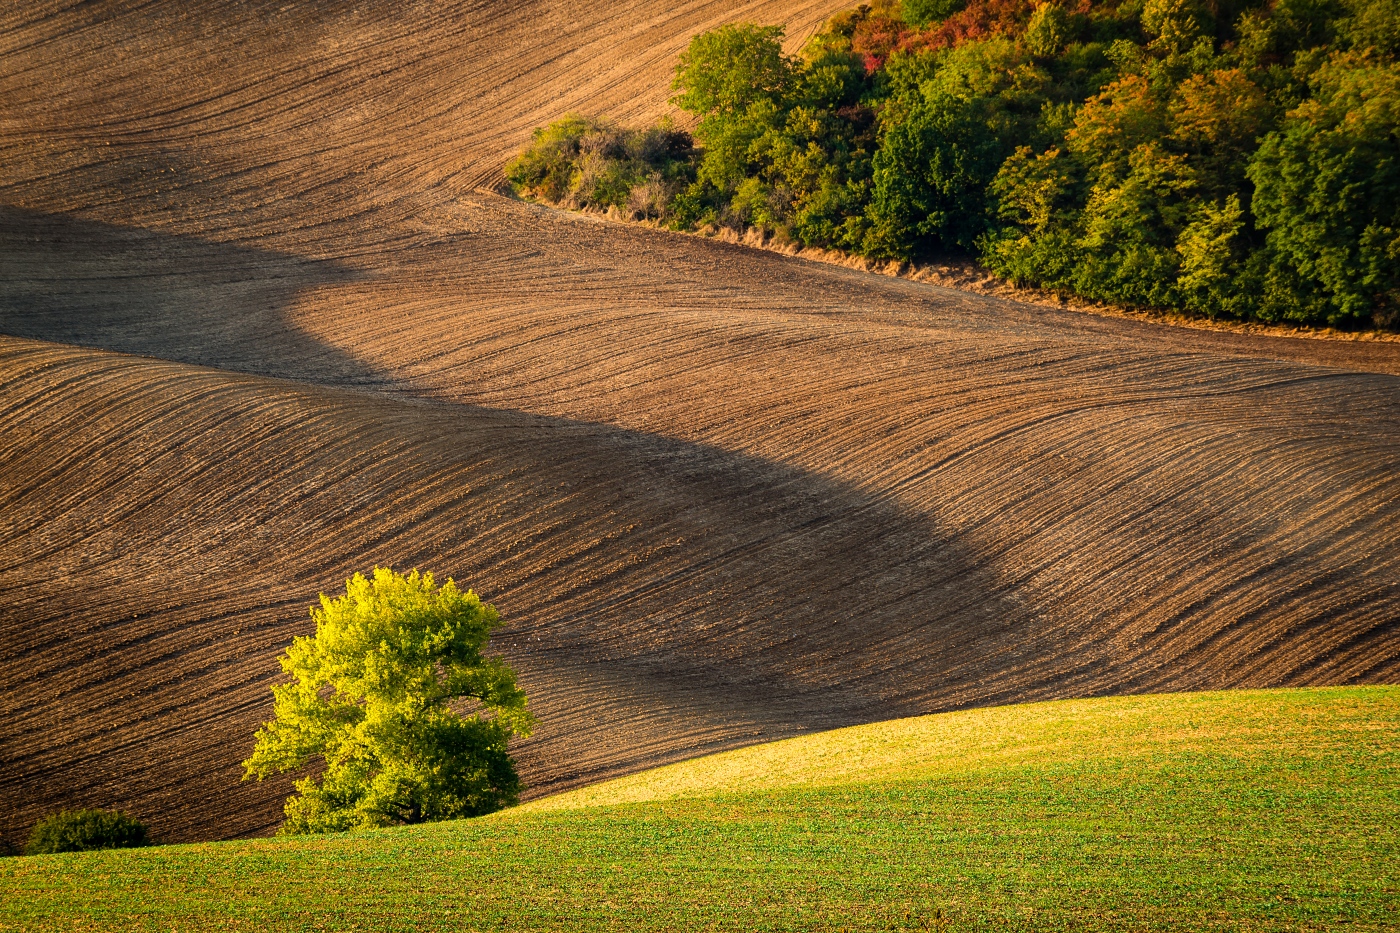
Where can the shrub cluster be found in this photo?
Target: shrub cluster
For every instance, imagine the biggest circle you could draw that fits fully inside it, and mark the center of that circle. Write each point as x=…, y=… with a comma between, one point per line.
x=1230, y=158
x=590, y=162
x=83, y=830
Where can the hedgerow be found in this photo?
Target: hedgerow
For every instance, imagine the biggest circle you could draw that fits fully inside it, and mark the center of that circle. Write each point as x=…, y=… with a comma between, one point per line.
x=1231, y=158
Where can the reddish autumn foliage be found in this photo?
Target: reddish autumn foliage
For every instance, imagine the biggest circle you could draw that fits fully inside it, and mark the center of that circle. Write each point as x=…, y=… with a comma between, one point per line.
x=979, y=20
x=875, y=37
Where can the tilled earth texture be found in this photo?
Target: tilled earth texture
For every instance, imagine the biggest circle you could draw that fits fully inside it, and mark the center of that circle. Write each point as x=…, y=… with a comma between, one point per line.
x=268, y=320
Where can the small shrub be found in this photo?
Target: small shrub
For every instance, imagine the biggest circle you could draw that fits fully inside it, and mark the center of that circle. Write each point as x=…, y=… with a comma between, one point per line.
x=83, y=830
x=591, y=162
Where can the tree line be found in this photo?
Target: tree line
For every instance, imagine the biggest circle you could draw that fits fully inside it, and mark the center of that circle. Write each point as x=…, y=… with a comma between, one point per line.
x=1226, y=158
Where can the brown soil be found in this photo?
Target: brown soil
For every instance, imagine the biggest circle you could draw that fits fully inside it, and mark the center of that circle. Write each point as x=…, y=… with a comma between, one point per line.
x=966, y=274
x=264, y=330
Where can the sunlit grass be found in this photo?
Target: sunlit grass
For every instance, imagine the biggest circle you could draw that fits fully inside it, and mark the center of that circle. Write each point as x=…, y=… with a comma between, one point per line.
x=1143, y=728
x=1267, y=810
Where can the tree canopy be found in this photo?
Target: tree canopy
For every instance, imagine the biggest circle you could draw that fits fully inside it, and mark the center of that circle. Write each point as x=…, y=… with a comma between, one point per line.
x=728, y=70
x=395, y=697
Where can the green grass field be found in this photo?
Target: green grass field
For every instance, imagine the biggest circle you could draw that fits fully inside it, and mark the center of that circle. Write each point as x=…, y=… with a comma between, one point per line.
x=1260, y=810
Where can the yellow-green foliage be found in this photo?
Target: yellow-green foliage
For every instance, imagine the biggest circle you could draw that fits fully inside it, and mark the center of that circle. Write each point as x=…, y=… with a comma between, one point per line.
x=371, y=698
x=1262, y=810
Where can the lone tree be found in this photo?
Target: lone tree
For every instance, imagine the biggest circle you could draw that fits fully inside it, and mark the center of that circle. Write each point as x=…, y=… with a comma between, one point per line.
x=384, y=696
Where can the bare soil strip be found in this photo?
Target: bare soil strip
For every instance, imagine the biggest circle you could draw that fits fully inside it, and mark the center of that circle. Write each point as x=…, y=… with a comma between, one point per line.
x=264, y=331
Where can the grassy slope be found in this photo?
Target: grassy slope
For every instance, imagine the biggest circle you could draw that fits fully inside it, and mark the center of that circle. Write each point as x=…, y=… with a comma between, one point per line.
x=1250, y=810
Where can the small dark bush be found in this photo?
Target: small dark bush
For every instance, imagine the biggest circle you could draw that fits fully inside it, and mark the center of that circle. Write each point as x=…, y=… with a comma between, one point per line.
x=82, y=830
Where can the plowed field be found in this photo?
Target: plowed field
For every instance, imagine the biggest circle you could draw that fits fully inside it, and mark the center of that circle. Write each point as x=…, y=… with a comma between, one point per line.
x=267, y=322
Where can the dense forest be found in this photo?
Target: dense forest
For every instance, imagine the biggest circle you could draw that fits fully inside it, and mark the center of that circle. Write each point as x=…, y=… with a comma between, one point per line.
x=1230, y=159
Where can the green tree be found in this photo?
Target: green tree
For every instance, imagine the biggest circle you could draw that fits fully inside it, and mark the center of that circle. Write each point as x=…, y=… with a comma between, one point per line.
x=1374, y=25
x=373, y=697
x=725, y=71
x=1173, y=25
x=930, y=175
x=1212, y=260
x=1110, y=126
x=737, y=80
x=1327, y=191
x=1048, y=31
x=591, y=162
x=942, y=142
x=1216, y=119
x=548, y=167
x=923, y=12
x=1131, y=229
x=1038, y=200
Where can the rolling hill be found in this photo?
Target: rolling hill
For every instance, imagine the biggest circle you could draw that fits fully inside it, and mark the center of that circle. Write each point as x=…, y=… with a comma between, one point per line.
x=268, y=320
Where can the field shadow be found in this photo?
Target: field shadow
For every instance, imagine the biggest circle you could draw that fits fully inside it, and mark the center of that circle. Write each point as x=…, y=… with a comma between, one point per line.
x=72, y=280
x=666, y=598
